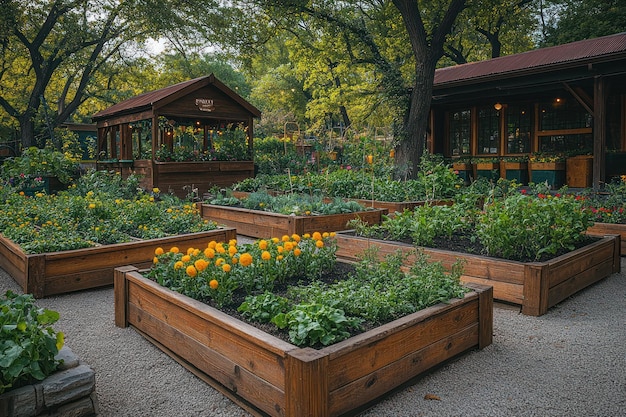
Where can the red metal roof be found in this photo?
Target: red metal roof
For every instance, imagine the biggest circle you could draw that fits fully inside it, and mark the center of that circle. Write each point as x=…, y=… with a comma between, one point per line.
x=539, y=60
x=149, y=99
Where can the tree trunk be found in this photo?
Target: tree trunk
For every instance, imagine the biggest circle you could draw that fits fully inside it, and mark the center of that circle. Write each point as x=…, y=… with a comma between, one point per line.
x=27, y=131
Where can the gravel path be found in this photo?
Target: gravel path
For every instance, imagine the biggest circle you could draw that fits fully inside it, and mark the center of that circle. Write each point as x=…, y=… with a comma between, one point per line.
x=569, y=362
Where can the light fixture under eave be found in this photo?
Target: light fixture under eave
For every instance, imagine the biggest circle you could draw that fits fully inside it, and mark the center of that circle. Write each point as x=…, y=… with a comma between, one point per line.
x=497, y=106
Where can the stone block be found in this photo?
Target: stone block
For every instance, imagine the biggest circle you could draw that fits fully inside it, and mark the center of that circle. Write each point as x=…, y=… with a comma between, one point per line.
x=68, y=385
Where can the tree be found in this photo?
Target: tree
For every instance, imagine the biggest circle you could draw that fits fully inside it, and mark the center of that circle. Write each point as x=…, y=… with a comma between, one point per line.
x=369, y=38
x=565, y=21
x=52, y=51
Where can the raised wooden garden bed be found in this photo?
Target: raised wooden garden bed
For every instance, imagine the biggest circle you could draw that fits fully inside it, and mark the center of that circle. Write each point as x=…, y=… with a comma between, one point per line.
x=536, y=286
x=261, y=224
x=52, y=273
x=603, y=229
x=269, y=376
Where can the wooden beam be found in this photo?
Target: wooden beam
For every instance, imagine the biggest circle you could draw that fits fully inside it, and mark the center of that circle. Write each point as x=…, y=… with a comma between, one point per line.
x=581, y=97
x=599, y=131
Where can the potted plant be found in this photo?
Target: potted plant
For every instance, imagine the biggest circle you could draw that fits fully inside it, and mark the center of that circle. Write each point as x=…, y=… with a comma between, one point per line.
x=515, y=168
x=320, y=366
x=487, y=167
x=547, y=168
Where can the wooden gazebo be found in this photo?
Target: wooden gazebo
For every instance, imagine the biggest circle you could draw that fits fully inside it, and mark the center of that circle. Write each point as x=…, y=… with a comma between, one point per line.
x=183, y=139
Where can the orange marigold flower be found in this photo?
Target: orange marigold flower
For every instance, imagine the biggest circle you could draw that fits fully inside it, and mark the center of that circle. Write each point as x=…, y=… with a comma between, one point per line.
x=186, y=258
x=295, y=237
x=178, y=265
x=226, y=268
x=317, y=236
x=279, y=257
x=209, y=253
x=234, y=260
x=266, y=256
x=212, y=244
x=263, y=244
x=319, y=243
x=232, y=242
x=174, y=249
x=245, y=259
x=201, y=264
x=275, y=240
x=286, y=238
x=325, y=234
x=155, y=260
x=297, y=252
x=333, y=234
x=214, y=284
x=189, y=251
x=158, y=251
x=191, y=271
x=306, y=236
x=288, y=246
x=219, y=248
x=196, y=252
x=232, y=250
x=219, y=261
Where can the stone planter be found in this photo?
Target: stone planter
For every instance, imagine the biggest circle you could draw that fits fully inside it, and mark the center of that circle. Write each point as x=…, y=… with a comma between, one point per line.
x=603, y=229
x=70, y=391
x=269, y=376
x=51, y=273
x=536, y=286
x=263, y=224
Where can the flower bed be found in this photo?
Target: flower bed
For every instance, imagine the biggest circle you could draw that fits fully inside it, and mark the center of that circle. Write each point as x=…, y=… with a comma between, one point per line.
x=536, y=286
x=50, y=273
x=257, y=223
x=272, y=377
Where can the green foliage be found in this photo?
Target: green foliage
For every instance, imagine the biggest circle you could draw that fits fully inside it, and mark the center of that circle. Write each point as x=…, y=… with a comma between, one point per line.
x=522, y=226
x=263, y=307
x=311, y=324
x=28, y=343
x=35, y=162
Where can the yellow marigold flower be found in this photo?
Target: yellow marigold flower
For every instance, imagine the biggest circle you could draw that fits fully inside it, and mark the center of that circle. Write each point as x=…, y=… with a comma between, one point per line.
x=157, y=251
x=169, y=210
x=201, y=265
x=306, y=236
x=214, y=284
x=263, y=244
x=189, y=251
x=333, y=234
x=226, y=268
x=325, y=234
x=151, y=199
x=275, y=240
x=155, y=260
x=212, y=244
x=185, y=258
x=370, y=159
x=39, y=195
x=92, y=206
x=317, y=236
x=232, y=242
x=266, y=256
x=297, y=252
x=174, y=249
x=89, y=193
x=286, y=238
x=279, y=257
x=209, y=253
x=319, y=243
x=196, y=252
x=280, y=249
x=288, y=246
x=178, y=264
x=295, y=237
x=232, y=250
x=219, y=248
x=156, y=190
x=245, y=259
x=191, y=271
x=219, y=261
x=234, y=260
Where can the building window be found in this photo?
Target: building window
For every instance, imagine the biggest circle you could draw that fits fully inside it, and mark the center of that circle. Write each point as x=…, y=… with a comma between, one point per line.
x=518, y=127
x=560, y=114
x=488, y=130
x=460, y=132
x=573, y=144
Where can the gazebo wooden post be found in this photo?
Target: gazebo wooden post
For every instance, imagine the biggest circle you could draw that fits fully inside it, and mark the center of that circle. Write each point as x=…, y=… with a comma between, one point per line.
x=250, y=132
x=155, y=135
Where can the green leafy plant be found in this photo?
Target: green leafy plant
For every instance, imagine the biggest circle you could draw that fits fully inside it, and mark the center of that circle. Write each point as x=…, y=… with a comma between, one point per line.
x=35, y=162
x=263, y=307
x=28, y=343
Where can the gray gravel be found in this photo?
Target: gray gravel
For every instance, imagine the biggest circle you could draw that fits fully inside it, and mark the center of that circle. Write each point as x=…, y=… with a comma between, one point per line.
x=569, y=362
